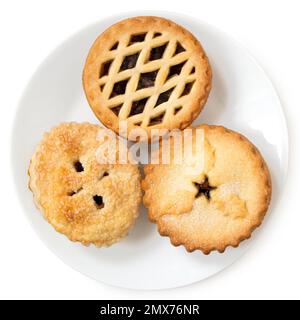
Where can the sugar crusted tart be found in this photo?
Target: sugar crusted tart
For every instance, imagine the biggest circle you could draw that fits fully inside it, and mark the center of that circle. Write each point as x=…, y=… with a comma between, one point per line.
x=87, y=201
x=148, y=72
x=211, y=206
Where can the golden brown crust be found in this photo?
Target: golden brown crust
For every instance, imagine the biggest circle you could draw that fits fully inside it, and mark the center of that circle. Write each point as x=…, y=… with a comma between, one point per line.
x=236, y=206
x=65, y=176
x=196, y=70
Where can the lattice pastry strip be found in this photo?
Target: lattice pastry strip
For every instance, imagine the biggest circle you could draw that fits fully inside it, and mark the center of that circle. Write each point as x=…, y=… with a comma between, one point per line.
x=133, y=82
x=175, y=97
x=114, y=69
x=123, y=51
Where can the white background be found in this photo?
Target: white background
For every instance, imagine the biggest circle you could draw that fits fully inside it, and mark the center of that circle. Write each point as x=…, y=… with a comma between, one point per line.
x=30, y=30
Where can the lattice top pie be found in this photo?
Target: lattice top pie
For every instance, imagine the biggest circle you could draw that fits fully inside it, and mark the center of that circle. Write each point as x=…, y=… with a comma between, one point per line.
x=149, y=72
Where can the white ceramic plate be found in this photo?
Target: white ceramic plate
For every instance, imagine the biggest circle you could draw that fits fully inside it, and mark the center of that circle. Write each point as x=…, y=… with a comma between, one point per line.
x=242, y=98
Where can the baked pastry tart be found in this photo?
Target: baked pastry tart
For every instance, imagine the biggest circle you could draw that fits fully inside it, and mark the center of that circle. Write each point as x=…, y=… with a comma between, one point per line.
x=87, y=201
x=215, y=198
x=147, y=72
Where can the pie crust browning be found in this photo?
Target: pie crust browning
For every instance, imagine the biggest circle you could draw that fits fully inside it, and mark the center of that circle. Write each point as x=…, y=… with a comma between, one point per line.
x=148, y=72
x=87, y=201
x=216, y=217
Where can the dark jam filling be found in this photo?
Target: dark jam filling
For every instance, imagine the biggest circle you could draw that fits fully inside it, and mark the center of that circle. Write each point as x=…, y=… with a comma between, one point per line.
x=204, y=188
x=175, y=70
x=157, y=120
x=179, y=48
x=157, y=52
x=187, y=88
x=164, y=97
x=105, y=68
x=137, y=38
x=116, y=109
x=119, y=88
x=98, y=201
x=78, y=166
x=129, y=62
x=138, y=106
x=147, y=80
